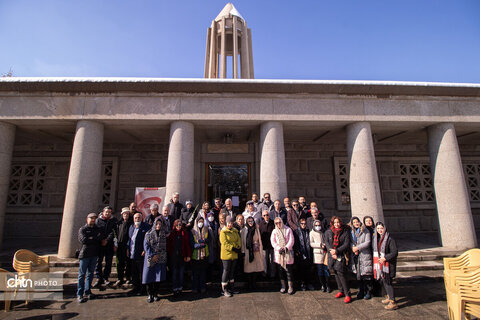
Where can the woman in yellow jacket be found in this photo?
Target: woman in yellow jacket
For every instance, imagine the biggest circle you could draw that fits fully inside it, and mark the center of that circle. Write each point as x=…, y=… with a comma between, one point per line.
x=230, y=247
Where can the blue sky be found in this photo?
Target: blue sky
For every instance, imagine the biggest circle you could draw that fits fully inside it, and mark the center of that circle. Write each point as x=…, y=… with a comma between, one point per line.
x=327, y=40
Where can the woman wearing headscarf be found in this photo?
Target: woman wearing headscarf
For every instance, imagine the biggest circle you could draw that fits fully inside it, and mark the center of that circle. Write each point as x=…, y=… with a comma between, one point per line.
x=317, y=242
x=361, y=257
x=253, y=249
x=214, y=248
x=230, y=247
x=201, y=252
x=179, y=253
x=337, y=241
x=282, y=240
x=154, y=267
x=385, y=254
x=370, y=226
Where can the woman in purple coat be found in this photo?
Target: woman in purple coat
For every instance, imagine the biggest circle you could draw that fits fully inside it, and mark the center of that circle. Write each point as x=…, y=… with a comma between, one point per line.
x=154, y=267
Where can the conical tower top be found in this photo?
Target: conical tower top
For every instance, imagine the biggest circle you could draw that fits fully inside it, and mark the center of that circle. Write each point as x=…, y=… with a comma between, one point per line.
x=228, y=12
x=229, y=36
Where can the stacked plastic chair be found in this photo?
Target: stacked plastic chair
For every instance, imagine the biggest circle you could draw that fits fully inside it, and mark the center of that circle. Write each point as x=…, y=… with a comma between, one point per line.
x=462, y=284
x=26, y=262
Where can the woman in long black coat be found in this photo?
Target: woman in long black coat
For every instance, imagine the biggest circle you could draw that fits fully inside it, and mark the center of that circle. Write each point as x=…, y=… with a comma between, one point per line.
x=385, y=254
x=337, y=240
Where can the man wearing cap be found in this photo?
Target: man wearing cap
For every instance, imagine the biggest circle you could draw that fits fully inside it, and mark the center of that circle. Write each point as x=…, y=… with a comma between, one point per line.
x=123, y=263
x=89, y=236
x=251, y=211
x=108, y=227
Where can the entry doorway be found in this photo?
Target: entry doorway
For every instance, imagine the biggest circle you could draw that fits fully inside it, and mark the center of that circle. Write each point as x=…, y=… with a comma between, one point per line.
x=228, y=180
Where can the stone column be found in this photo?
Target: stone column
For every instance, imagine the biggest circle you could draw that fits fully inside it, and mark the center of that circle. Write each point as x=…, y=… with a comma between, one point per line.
x=223, y=50
x=84, y=184
x=273, y=176
x=453, y=204
x=235, y=48
x=180, y=166
x=365, y=198
x=7, y=140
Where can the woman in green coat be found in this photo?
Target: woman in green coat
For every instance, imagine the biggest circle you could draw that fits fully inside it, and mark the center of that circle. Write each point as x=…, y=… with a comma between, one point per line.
x=230, y=247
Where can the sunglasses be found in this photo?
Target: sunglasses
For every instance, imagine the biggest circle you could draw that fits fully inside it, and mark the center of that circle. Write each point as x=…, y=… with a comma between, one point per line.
x=302, y=224
x=265, y=215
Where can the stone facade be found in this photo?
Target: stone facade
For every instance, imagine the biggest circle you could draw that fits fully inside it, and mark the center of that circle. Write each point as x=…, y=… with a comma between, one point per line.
x=225, y=120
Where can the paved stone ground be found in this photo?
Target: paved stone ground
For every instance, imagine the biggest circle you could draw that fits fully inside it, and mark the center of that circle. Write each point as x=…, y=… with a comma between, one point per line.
x=418, y=300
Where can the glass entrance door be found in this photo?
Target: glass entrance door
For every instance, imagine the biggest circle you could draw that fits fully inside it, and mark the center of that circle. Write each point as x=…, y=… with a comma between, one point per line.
x=228, y=180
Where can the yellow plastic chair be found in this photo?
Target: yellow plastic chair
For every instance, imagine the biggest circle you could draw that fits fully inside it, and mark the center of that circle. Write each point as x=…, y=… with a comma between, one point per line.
x=463, y=288
x=26, y=262
x=470, y=298
x=468, y=258
x=4, y=275
x=471, y=309
x=467, y=262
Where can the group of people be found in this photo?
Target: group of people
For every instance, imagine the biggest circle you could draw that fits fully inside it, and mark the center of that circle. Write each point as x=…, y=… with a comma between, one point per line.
x=291, y=241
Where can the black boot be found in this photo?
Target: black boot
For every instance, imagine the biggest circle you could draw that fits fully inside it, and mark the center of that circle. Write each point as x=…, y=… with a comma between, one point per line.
x=231, y=288
x=323, y=282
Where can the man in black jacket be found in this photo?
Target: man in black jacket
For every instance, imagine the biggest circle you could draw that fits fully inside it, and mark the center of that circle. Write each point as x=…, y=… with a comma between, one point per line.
x=229, y=210
x=123, y=265
x=89, y=236
x=175, y=206
x=108, y=227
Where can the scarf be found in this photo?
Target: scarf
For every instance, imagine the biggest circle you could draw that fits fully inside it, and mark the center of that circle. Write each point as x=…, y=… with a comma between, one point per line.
x=249, y=241
x=157, y=240
x=355, y=235
x=280, y=233
x=336, y=235
x=380, y=269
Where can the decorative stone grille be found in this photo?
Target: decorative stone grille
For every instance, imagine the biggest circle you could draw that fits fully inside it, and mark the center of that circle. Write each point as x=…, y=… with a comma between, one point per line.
x=472, y=177
x=26, y=185
x=107, y=178
x=417, y=184
x=342, y=183
x=35, y=181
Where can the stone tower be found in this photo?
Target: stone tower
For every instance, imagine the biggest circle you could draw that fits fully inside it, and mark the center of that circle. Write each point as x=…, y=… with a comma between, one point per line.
x=229, y=36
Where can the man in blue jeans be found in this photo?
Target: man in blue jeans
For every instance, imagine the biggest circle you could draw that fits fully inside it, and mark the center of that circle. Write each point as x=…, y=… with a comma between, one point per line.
x=90, y=237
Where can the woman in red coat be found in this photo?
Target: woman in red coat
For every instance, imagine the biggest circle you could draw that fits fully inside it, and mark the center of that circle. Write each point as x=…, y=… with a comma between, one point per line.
x=179, y=252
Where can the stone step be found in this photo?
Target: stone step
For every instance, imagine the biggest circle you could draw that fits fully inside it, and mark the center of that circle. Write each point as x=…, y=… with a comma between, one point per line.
x=419, y=265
